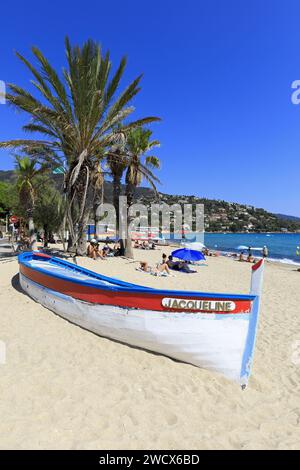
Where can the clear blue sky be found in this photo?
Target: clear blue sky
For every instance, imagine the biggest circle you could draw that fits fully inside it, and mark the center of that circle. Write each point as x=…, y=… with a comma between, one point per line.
x=218, y=72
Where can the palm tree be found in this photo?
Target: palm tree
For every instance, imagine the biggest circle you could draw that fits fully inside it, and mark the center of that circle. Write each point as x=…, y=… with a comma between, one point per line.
x=27, y=171
x=138, y=144
x=78, y=117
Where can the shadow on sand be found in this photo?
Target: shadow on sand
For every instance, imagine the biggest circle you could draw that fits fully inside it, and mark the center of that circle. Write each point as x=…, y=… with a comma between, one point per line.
x=15, y=283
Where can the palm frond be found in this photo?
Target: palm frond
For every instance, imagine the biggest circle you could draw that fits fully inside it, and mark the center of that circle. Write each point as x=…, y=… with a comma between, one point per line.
x=152, y=161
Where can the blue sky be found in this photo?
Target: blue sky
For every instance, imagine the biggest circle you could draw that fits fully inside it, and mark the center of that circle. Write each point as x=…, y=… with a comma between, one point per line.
x=217, y=72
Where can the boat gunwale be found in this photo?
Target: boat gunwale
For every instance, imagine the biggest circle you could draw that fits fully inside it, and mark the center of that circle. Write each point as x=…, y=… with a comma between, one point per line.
x=118, y=284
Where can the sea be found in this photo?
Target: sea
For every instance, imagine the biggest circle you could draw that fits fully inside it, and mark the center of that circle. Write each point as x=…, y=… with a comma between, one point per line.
x=283, y=247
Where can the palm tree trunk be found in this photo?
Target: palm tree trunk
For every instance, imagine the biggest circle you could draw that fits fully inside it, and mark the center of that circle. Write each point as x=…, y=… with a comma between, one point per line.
x=130, y=188
x=116, y=194
x=46, y=236
x=82, y=238
x=71, y=234
x=32, y=235
x=71, y=247
x=99, y=199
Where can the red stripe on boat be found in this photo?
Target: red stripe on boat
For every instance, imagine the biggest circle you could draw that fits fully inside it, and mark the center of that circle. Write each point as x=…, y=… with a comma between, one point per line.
x=145, y=301
x=42, y=255
x=257, y=265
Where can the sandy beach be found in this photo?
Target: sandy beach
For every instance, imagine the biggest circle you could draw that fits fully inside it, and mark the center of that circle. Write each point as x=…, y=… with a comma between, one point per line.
x=65, y=388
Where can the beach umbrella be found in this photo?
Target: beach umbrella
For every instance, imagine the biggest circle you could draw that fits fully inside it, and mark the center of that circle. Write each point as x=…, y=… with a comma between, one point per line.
x=198, y=246
x=253, y=248
x=188, y=255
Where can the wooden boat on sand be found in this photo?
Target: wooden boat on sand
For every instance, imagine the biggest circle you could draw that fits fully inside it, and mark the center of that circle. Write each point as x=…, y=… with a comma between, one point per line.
x=210, y=330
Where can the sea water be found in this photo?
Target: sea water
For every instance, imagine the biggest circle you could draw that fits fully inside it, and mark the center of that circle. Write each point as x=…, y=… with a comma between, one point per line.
x=282, y=246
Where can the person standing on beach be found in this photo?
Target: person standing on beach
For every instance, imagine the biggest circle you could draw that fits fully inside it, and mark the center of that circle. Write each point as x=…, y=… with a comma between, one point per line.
x=249, y=252
x=265, y=252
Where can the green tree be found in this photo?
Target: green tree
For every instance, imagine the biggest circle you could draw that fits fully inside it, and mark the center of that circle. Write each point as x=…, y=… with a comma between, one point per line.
x=27, y=172
x=5, y=202
x=48, y=212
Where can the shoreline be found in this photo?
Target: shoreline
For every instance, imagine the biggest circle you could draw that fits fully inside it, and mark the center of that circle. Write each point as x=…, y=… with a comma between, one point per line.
x=173, y=244
x=280, y=262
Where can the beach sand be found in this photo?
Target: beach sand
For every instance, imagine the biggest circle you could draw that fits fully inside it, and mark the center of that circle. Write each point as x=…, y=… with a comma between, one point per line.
x=65, y=388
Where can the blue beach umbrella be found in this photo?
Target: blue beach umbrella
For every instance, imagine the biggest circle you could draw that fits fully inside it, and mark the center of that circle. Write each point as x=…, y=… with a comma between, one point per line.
x=188, y=255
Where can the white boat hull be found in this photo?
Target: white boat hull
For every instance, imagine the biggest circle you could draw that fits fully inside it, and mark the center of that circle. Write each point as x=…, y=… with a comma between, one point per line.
x=210, y=341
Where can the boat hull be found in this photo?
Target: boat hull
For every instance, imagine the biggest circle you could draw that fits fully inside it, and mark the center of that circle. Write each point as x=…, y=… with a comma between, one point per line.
x=211, y=341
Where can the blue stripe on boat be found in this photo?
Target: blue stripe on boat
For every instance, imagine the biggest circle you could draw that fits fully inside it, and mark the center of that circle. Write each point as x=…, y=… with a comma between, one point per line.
x=114, y=284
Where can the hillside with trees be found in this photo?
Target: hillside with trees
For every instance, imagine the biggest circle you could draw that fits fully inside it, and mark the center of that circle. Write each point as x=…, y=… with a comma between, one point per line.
x=220, y=216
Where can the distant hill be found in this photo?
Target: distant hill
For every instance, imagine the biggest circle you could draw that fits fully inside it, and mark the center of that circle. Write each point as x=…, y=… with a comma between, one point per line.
x=7, y=176
x=223, y=216
x=220, y=216
x=288, y=217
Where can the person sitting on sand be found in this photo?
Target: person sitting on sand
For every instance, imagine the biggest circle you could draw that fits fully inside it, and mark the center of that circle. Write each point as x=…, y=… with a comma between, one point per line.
x=107, y=251
x=118, y=249
x=175, y=265
x=163, y=265
x=171, y=263
x=250, y=259
x=93, y=250
x=160, y=268
x=181, y=266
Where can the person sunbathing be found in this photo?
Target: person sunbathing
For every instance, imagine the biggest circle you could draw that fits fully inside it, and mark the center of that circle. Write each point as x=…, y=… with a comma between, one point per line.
x=181, y=266
x=144, y=266
x=160, y=268
x=93, y=250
